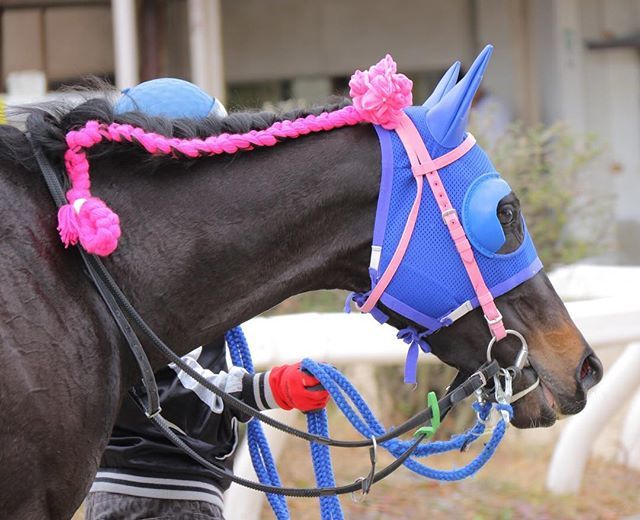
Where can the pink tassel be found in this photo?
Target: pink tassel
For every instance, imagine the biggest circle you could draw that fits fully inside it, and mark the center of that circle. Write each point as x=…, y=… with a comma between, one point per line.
x=98, y=227
x=68, y=225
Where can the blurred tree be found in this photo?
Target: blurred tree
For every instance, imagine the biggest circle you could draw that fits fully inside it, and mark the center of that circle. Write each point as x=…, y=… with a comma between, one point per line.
x=549, y=169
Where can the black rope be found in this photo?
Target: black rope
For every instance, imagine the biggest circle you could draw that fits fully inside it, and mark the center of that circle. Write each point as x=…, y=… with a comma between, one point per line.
x=57, y=192
x=475, y=382
x=222, y=472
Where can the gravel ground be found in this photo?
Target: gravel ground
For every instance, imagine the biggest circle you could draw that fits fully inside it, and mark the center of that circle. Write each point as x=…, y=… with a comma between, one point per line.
x=511, y=486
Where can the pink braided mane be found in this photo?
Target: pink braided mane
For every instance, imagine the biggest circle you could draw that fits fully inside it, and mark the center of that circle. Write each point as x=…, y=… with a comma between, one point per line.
x=379, y=96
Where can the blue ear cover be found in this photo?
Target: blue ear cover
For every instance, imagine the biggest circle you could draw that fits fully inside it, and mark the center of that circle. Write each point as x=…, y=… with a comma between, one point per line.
x=446, y=83
x=479, y=212
x=447, y=119
x=169, y=97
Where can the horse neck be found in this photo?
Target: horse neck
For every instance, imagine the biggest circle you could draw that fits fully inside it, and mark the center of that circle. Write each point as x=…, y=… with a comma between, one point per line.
x=208, y=248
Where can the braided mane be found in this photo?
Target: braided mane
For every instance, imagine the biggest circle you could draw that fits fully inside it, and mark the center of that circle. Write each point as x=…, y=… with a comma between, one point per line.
x=56, y=119
x=379, y=96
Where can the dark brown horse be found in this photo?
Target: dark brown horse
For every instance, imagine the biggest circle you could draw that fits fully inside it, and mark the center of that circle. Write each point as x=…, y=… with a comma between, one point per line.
x=209, y=243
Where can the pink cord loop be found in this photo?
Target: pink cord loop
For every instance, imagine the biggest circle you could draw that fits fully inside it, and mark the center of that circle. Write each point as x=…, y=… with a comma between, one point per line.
x=94, y=225
x=98, y=227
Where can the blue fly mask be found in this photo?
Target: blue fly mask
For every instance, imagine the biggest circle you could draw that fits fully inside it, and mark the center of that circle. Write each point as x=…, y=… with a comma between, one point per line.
x=432, y=285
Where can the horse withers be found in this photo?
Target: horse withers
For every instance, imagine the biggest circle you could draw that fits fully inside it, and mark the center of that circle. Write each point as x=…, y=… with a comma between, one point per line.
x=211, y=237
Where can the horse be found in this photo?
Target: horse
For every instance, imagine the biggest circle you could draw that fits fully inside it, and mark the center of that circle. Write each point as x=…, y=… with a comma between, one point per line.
x=209, y=242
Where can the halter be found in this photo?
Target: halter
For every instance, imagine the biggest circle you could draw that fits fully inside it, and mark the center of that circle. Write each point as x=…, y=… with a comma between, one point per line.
x=434, y=262
x=424, y=166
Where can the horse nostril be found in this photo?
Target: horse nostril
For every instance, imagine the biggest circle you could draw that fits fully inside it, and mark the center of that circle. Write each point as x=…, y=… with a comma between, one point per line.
x=590, y=372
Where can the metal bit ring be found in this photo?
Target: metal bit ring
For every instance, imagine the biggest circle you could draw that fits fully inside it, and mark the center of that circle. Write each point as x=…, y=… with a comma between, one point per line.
x=523, y=354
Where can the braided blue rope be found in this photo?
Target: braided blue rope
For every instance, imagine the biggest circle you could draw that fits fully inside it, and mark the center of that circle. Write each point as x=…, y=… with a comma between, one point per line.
x=261, y=456
x=317, y=423
x=366, y=423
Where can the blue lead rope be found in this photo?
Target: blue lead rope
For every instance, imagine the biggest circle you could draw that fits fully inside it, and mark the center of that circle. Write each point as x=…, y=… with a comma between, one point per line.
x=318, y=423
x=261, y=456
x=365, y=422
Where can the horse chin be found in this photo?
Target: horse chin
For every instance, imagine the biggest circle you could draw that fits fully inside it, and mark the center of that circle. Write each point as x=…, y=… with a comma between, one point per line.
x=537, y=409
x=533, y=411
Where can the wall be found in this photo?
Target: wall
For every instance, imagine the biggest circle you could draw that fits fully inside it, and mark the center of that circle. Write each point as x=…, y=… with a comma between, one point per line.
x=612, y=109
x=596, y=92
x=21, y=41
x=64, y=42
x=78, y=40
x=286, y=38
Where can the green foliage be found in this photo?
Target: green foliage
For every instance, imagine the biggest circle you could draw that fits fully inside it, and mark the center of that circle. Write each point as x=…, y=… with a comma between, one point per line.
x=548, y=169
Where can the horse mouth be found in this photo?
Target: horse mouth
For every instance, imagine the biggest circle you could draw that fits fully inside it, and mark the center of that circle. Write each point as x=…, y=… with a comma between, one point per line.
x=549, y=402
x=552, y=403
x=539, y=409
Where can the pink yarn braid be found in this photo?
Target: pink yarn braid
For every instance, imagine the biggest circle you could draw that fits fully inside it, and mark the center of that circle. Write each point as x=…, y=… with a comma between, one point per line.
x=379, y=96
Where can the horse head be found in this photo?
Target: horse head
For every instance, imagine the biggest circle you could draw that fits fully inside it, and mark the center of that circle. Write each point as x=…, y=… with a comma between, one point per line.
x=441, y=291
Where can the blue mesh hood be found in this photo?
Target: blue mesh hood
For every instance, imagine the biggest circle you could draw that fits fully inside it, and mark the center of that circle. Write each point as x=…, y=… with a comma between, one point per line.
x=431, y=280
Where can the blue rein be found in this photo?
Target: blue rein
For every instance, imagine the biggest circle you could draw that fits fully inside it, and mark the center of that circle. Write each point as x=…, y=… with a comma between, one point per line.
x=364, y=421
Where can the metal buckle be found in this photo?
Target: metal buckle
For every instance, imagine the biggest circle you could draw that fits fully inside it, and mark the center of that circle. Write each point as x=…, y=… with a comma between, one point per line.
x=367, y=481
x=495, y=321
x=448, y=212
x=503, y=394
x=483, y=378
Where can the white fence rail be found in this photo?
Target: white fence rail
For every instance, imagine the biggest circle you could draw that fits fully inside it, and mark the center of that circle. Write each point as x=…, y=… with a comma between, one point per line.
x=617, y=324
x=573, y=447
x=609, y=319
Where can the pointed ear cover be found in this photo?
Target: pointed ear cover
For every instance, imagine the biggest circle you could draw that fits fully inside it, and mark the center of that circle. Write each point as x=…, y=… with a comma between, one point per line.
x=444, y=85
x=447, y=120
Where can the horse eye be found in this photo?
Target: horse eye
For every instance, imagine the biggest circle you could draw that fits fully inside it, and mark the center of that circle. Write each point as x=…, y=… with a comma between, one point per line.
x=506, y=215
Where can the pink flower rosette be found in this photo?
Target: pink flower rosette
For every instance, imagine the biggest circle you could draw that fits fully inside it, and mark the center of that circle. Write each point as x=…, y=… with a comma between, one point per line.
x=380, y=94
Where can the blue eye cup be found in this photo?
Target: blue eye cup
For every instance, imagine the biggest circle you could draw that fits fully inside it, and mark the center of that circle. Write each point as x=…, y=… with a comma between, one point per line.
x=479, y=213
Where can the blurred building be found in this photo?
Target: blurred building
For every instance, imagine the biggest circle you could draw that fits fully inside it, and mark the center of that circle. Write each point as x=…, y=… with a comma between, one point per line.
x=572, y=60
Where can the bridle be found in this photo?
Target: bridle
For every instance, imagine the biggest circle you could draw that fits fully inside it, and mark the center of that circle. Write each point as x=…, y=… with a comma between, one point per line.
x=423, y=167
x=125, y=315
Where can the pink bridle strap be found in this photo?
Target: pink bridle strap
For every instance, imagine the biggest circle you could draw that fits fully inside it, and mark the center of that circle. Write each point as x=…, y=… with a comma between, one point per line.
x=422, y=165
